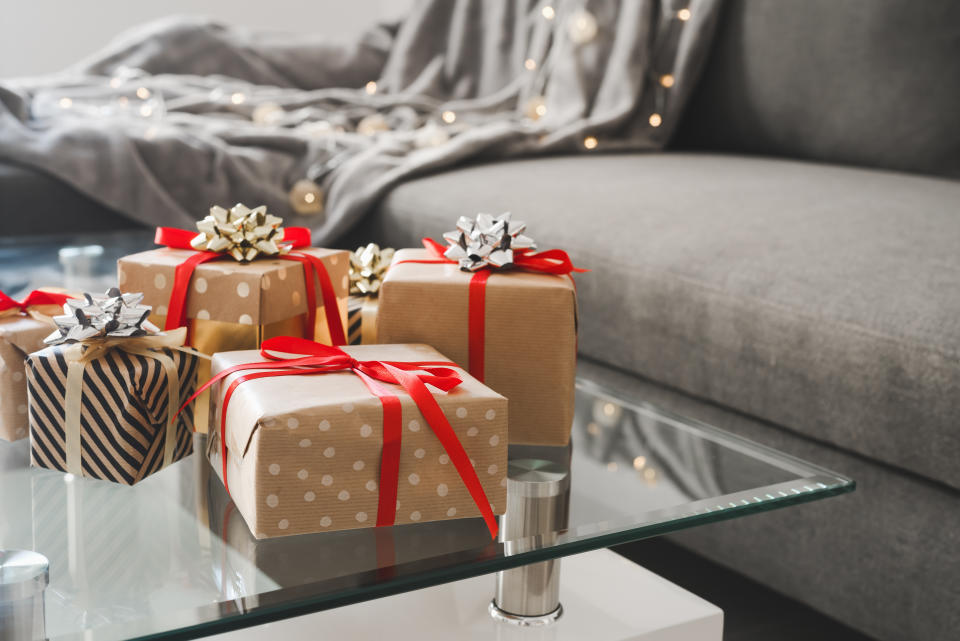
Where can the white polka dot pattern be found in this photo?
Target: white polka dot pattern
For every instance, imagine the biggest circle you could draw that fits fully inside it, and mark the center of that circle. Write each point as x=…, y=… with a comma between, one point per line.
x=347, y=407
x=306, y=442
x=329, y=452
x=273, y=500
x=203, y=315
x=160, y=281
x=414, y=425
x=343, y=495
x=461, y=412
x=473, y=431
x=443, y=459
x=245, y=319
x=161, y=310
x=200, y=284
x=420, y=452
x=326, y=480
x=303, y=475
x=293, y=423
x=494, y=440
x=442, y=489
x=283, y=524
x=295, y=297
x=274, y=468
x=452, y=511
x=326, y=521
x=18, y=376
x=413, y=478
x=358, y=465
x=371, y=485
x=324, y=425
x=365, y=430
x=309, y=497
x=361, y=517
x=491, y=414
x=415, y=515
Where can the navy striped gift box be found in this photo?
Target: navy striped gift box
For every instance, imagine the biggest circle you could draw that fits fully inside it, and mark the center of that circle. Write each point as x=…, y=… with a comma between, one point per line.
x=123, y=413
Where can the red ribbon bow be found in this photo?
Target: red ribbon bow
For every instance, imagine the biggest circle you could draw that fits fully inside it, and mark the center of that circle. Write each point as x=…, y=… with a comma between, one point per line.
x=551, y=261
x=315, y=358
x=295, y=237
x=33, y=299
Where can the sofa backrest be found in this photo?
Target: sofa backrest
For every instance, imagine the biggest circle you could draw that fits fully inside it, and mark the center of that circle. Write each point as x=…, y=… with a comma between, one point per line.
x=866, y=82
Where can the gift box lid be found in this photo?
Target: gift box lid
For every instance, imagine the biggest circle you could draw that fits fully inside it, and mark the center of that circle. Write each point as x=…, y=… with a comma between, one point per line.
x=272, y=403
x=263, y=291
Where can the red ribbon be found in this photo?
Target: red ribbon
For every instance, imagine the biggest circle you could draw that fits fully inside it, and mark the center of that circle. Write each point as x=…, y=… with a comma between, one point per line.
x=414, y=377
x=551, y=261
x=294, y=237
x=33, y=299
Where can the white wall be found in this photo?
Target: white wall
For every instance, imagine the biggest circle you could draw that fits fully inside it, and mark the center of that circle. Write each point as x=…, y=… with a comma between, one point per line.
x=39, y=36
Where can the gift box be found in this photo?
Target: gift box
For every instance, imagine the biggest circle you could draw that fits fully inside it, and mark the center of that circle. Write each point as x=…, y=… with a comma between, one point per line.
x=22, y=330
x=318, y=452
x=103, y=398
x=368, y=266
x=232, y=305
x=514, y=329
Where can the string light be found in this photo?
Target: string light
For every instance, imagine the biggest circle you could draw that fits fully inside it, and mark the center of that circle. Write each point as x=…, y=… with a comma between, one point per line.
x=593, y=429
x=530, y=64
x=66, y=103
x=683, y=14
x=590, y=142
x=237, y=98
x=666, y=80
x=143, y=93
x=146, y=110
x=639, y=462
x=371, y=88
x=267, y=113
x=306, y=197
x=115, y=82
x=535, y=108
x=650, y=474
x=548, y=12
x=122, y=101
x=655, y=120
x=448, y=117
x=582, y=27
x=372, y=124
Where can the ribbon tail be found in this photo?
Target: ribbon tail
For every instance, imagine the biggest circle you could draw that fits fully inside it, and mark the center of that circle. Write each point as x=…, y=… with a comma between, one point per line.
x=73, y=394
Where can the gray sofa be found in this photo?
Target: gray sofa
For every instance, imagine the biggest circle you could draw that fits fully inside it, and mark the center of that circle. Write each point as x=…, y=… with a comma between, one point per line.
x=788, y=270
x=748, y=278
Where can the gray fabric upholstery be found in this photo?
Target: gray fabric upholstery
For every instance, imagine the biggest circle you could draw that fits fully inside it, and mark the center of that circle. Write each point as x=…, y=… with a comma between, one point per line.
x=874, y=83
x=883, y=559
x=819, y=298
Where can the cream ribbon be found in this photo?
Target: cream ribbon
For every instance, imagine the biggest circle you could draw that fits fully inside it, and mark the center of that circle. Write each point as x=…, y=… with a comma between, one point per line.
x=368, y=321
x=80, y=354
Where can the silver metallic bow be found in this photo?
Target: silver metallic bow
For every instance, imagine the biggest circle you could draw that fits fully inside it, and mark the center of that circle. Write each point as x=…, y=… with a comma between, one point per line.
x=487, y=241
x=241, y=232
x=112, y=315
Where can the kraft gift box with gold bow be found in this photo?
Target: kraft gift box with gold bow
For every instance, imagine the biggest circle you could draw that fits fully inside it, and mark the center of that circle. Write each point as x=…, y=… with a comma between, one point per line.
x=103, y=396
x=23, y=327
x=318, y=452
x=229, y=305
x=513, y=327
x=368, y=266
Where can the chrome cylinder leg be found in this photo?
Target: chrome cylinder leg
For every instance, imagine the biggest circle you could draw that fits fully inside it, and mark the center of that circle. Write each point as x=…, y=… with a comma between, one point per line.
x=538, y=497
x=23, y=578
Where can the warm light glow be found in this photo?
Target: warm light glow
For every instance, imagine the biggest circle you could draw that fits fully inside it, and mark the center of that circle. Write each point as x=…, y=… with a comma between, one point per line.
x=593, y=429
x=639, y=462
x=655, y=120
x=237, y=98
x=530, y=64
x=666, y=80
x=683, y=14
x=540, y=109
x=371, y=87
x=448, y=117
x=611, y=466
x=309, y=197
x=608, y=408
x=122, y=101
x=548, y=12
x=65, y=103
x=115, y=82
x=143, y=93
x=590, y=142
x=582, y=27
x=146, y=110
x=649, y=474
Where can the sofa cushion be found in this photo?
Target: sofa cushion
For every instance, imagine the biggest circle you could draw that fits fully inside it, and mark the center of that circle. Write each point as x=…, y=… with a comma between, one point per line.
x=873, y=83
x=820, y=298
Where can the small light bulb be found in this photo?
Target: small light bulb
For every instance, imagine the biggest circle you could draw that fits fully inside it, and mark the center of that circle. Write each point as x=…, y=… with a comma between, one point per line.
x=237, y=98
x=548, y=12
x=530, y=64
x=309, y=197
x=143, y=93
x=609, y=408
x=371, y=87
x=590, y=142
x=666, y=80
x=146, y=110
x=593, y=429
x=650, y=474
x=448, y=117
x=639, y=462
x=115, y=82
x=306, y=198
x=582, y=27
x=66, y=103
x=122, y=101
x=683, y=14
x=540, y=110
x=655, y=120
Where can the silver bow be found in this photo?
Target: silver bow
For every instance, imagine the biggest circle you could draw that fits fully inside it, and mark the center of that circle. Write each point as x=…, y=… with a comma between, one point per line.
x=488, y=241
x=112, y=315
x=241, y=232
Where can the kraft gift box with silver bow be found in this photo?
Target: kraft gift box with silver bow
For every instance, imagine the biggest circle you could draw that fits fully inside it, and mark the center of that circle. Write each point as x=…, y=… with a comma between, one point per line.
x=235, y=304
x=514, y=328
x=100, y=396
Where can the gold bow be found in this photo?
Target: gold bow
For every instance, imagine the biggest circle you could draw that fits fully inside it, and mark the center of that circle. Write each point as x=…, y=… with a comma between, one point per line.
x=368, y=266
x=241, y=232
x=78, y=355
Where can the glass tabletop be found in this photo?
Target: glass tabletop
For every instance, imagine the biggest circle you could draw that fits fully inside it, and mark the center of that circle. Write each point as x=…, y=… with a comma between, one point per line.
x=171, y=558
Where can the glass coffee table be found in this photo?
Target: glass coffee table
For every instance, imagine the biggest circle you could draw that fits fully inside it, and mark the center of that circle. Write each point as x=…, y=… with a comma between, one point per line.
x=171, y=558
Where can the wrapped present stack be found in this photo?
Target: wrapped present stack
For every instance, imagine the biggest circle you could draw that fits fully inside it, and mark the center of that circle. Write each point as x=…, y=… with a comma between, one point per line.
x=103, y=397
x=502, y=310
x=310, y=440
x=239, y=279
x=23, y=326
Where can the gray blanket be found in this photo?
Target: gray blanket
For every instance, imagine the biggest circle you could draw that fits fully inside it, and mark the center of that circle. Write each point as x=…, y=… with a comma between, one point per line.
x=181, y=114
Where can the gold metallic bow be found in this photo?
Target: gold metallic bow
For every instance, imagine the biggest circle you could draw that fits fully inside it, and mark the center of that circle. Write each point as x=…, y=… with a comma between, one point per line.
x=368, y=266
x=241, y=232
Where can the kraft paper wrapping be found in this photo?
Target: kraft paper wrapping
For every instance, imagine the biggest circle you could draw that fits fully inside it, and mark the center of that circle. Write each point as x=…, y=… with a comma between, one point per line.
x=123, y=412
x=233, y=306
x=19, y=335
x=304, y=451
x=531, y=335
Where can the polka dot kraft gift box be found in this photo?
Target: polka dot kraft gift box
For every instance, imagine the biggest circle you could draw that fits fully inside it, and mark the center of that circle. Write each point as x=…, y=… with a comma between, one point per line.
x=355, y=437
x=230, y=305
